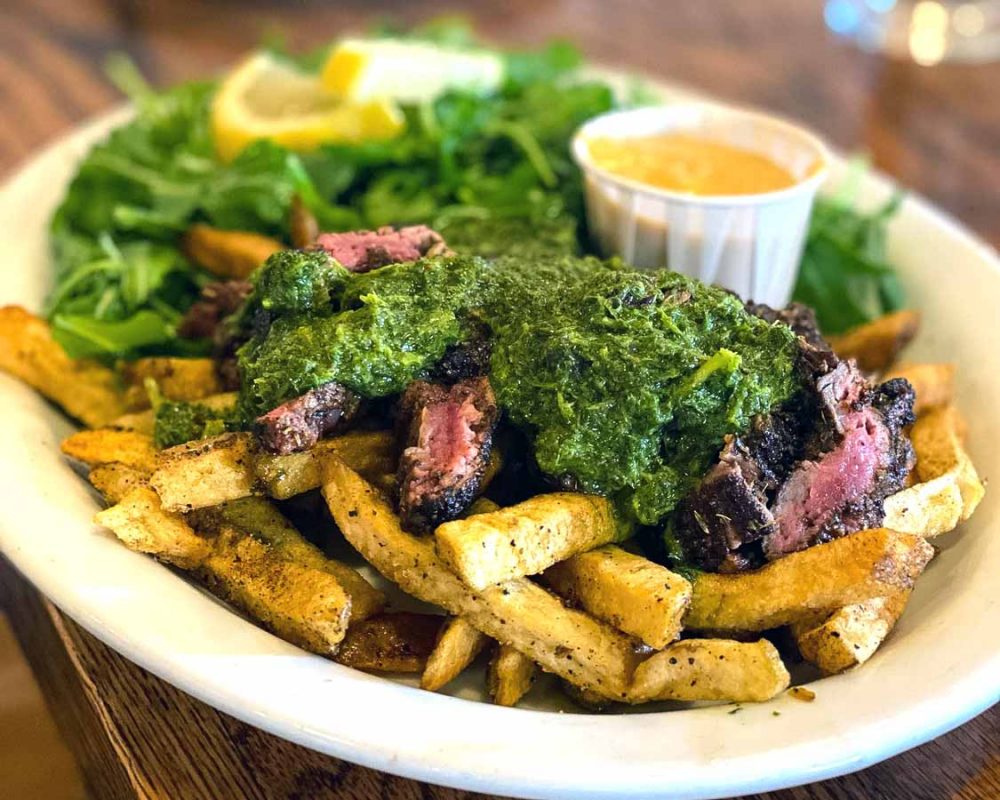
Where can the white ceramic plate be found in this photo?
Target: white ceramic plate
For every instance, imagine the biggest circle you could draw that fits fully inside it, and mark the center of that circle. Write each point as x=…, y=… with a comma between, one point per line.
x=940, y=667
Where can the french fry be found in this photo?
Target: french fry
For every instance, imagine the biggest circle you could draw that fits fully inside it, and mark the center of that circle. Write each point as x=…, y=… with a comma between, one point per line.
x=303, y=602
x=107, y=445
x=116, y=480
x=303, y=605
x=510, y=676
x=367, y=452
x=228, y=254
x=85, y=390
x=482, y=505
x=711, y=669
x=628, y=591
x=228, y=467
x=518, y=613
x=140, y=522
x=207, y=472
x=926, y=509
x=263, y=521
x=399, y=642
x=182, y=379
x=937, y=440
x=525, y=539
x=851, y=635
x=457, y=645
x=855, y=568
x=876, y=344
x=934, y=384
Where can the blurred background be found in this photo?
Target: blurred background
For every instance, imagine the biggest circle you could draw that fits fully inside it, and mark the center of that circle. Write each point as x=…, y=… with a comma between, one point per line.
x=915, y=85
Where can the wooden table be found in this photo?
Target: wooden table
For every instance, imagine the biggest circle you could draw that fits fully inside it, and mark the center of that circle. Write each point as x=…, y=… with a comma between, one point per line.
x=937, y=130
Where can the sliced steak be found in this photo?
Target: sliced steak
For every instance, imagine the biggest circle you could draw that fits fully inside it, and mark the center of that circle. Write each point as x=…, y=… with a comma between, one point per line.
x=300, y=423
x=817, y=469
x=449, y=437
x=216, y=302
x=720, y=522
x=362, y=251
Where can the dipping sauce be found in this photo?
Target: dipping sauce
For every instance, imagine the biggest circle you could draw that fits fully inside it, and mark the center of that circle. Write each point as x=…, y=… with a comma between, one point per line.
x=685, y=163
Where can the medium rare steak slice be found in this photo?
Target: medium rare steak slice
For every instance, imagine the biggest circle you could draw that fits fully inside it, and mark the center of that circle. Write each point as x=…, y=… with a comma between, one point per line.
x=362, y=251
x=449, y=437
x=300, y=423
x=722, y=523
x=817, y=469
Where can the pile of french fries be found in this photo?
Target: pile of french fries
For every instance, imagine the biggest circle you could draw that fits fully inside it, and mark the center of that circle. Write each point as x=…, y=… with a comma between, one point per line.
x=539, y=586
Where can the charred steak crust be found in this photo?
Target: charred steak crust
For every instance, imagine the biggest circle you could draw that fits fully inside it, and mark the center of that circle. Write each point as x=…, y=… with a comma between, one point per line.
x=300, y=423
x=818, y=468
x=363, y=251
x=461, y=361
x=448, y=437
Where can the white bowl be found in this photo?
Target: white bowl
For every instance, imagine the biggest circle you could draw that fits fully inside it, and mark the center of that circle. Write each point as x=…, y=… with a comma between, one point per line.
x=748, y=243
x=940, y=666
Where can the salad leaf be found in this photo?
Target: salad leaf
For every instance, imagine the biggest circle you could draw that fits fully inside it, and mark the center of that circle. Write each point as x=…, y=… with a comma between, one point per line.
x=488, y=170
x=845, y=274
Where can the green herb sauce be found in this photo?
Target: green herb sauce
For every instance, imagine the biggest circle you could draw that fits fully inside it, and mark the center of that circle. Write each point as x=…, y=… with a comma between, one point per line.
x=176, y=423
x=625, y=381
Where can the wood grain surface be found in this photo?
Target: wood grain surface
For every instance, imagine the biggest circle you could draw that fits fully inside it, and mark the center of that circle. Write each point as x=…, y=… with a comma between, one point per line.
x=937, y=130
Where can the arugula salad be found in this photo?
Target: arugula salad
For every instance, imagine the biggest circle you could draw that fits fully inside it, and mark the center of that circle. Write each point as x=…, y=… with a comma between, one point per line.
x=483, y=164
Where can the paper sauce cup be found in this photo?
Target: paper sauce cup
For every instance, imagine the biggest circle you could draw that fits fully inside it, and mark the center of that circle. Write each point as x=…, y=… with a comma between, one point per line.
x=749, y=243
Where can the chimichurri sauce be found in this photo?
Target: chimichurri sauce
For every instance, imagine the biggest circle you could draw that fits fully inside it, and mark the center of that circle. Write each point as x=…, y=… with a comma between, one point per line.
x=625, y=382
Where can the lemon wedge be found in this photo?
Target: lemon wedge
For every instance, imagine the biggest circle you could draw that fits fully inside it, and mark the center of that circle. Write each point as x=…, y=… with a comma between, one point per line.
x=409, y=72
x=264, y=98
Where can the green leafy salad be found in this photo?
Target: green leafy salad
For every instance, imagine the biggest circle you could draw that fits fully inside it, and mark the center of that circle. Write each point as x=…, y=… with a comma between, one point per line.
x=489, y=169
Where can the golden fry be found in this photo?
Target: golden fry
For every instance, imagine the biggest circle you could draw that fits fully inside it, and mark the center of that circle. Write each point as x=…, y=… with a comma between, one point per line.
x=228, y=467
x=926, y=509
x=628, y=591
x=457, y=645
x=301, y=601
x=855, y=568
x=851, y=635
x=518, y=612
x=937, y=439
x=711, y=669
x=228, y=254
x=116, y=480
x=510, y=676
x=525, y=539
x=85, y=390
x=305, y=606
x=141, y=523
x=259, y=518
x=107, y=445
x=876, y=344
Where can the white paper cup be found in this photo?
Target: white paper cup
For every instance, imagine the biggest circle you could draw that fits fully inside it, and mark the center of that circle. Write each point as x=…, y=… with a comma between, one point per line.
x=749, y=243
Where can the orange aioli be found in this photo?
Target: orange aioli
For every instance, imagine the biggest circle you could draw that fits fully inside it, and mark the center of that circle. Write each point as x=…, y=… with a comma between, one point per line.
x=684, y=163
